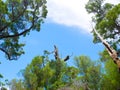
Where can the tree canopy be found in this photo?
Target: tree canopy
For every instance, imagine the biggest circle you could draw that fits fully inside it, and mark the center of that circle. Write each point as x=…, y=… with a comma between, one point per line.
x=18, y=18
x=106, y=17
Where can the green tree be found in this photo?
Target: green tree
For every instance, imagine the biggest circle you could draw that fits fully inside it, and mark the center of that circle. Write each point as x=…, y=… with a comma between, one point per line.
x=16, y=85
x=18, y=18
x=110, y=78
x=63, y=75
x=106, y=17
x=3, y=88
x=36, y=74
x=107, y=23
x=48, y=74
x=89, y=73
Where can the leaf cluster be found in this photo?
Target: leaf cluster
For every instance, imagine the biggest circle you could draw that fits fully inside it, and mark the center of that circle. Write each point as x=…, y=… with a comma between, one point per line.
x=18, y=18
x=106, y=19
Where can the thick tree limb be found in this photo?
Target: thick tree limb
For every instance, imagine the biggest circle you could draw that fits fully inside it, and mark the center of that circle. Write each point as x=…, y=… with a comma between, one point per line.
x=112, y=52
x=16, y=35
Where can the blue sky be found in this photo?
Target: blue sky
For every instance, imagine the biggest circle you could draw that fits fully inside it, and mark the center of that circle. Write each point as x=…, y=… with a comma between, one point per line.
x=67, y=28
x=68, y=39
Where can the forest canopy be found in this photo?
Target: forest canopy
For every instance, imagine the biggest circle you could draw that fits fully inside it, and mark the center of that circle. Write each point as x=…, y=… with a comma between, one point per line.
x=51, y=71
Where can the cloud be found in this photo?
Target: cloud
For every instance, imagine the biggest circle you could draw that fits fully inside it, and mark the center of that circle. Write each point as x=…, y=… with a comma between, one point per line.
x=70, y=13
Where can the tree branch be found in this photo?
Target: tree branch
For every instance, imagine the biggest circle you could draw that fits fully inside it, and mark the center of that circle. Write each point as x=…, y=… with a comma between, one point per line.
x=13, y=19
x=16, y=35
x=8, y=55
x=25, y=31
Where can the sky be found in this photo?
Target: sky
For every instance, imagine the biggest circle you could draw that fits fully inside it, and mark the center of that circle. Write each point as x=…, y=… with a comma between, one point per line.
x=67, y=26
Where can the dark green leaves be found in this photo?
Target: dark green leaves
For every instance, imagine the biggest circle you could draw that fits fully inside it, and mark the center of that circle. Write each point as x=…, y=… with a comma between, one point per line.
x=18, y=18
x=105, y=17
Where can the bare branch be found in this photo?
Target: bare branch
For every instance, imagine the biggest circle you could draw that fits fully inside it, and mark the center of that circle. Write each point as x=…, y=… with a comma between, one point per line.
x=56, y=53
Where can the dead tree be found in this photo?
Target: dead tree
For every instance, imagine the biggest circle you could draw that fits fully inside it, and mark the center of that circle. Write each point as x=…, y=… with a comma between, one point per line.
x=112, y=52
x=56, y=54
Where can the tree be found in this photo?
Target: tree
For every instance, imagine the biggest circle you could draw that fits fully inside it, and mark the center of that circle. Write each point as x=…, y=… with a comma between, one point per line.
x=110, y=78
x=63, y=75
x=3, y=88
x=48, y=74
x=107, y=23
x=89, y=73
x=16, y=85
x=107, y=20
x=35, y=75
x=18, y=18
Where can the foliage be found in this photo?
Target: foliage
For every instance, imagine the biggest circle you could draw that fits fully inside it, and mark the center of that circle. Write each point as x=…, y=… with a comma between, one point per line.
x=16, y=85
x=89, y=73
x=34, y=74
x=18, y=18
x=106, y=19
x=110, y=78
x=63, y=75
x=49, y=74
x=1, y=76
x=57, y=75
x=3, y=88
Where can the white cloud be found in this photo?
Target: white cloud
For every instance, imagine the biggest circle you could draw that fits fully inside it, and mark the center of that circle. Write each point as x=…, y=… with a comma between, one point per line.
x=70, y=13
